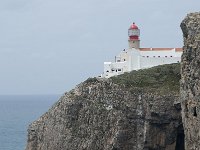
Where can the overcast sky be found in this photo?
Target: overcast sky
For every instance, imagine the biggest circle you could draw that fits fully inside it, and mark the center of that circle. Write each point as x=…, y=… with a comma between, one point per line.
x=49, y=46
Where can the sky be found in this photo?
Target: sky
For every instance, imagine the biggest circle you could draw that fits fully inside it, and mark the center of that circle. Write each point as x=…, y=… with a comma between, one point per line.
x=50, y=46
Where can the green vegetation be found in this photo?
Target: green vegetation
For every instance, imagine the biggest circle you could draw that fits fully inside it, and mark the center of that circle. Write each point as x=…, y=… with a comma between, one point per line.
x=90, y=80
x=165, y=78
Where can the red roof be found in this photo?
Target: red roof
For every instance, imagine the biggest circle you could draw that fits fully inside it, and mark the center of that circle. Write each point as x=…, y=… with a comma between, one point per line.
x=160, y=49
x=133, y=26
x=179, y=49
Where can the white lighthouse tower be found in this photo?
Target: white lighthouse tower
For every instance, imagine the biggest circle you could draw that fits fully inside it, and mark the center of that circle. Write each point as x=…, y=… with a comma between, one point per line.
x=134, y=34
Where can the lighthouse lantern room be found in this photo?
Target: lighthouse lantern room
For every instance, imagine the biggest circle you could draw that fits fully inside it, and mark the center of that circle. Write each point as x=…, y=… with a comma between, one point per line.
x=134, y=33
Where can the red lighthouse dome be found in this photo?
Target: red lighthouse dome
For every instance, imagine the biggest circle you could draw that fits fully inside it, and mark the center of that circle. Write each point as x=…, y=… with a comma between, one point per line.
x=133, y=26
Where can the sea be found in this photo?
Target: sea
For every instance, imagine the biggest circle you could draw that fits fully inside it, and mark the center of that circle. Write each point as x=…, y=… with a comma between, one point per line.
x=16, y=113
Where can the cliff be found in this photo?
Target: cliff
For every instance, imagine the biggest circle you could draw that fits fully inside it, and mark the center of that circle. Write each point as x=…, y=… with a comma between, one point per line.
x=190, y=81
x=134, y=111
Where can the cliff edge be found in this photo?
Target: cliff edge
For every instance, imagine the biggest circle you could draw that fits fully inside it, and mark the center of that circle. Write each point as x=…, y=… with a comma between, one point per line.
x=135, y=111
x=190, y=81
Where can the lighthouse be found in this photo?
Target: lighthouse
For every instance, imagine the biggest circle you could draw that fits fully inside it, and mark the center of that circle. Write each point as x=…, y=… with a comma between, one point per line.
x=134, y=34
x=135, y=57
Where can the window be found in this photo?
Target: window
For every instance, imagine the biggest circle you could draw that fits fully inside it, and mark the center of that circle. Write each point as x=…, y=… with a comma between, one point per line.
x=171, y=56
x=118, y=60
x=158, y=56
x=147, y=56
x=165, y=56
x=107, y=71
x=124, y=59
x=119, y=69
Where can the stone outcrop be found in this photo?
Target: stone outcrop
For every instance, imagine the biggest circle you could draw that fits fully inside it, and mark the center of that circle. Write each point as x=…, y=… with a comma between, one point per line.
x=136, y=111
x=190, y=81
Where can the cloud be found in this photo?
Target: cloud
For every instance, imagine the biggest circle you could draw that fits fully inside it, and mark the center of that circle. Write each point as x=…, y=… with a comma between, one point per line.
x=15, y=5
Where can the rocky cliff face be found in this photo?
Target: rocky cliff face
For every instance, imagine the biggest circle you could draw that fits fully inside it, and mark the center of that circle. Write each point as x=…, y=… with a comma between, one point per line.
x=136, y=111
x=190, y=81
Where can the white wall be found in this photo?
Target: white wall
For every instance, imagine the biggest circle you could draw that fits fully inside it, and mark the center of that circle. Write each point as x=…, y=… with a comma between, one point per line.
x=157, y=53
x=151, y=61
x=114, y=68
x=133, y=59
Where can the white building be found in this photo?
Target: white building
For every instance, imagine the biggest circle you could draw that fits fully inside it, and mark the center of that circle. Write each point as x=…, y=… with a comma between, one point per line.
x=136, y=58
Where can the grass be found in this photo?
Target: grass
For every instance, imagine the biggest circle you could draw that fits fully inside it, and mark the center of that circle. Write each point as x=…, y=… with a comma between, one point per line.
x=164, y=78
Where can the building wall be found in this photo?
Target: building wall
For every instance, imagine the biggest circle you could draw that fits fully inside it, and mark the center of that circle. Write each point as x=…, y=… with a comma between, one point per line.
x=162, y=53
x=116, y=68
x=147, y=62
x=134, y=59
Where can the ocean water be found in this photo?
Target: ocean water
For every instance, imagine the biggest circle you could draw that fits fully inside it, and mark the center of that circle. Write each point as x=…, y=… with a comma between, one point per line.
x=16, y=113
